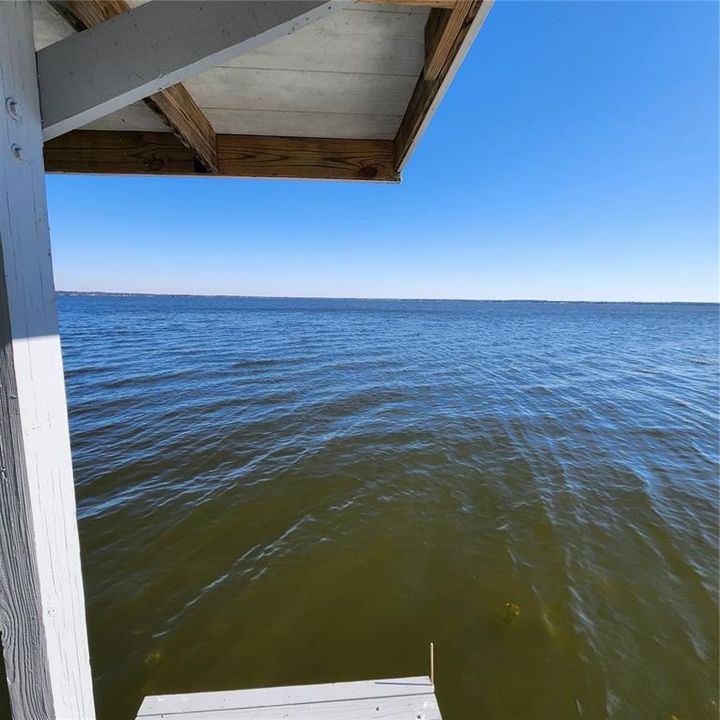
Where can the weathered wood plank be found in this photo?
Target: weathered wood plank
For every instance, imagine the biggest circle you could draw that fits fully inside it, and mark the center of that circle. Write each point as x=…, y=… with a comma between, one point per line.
x=443, y=27
x=188, y=122
x=418, y=3
x=385, y=708
x=133, y=153
x=265, y=122
x=82, y=14
x=348, y=75
x=393, y=695
x=300, y=124
x=311, y=158
x=378, y=52
x=429, y=92
x=152, y=47
x=101, y=152
x=386, y=20
x=174, y=105
x=137, y=116
x=290, y=90
x=42, y=612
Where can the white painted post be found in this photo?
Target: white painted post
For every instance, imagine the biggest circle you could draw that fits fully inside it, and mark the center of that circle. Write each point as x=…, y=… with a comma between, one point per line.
x=42, y=610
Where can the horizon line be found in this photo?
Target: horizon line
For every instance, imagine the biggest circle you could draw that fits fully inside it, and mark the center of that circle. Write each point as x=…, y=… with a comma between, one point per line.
x=384, y=299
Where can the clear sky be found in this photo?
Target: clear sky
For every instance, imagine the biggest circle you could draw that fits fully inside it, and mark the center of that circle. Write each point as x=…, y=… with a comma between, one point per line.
x=575, y=157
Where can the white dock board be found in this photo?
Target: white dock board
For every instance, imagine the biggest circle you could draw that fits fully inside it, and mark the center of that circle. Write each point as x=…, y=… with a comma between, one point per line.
x=398, y=698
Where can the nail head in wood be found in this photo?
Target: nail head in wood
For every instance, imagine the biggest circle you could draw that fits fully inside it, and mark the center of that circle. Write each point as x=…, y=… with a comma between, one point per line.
x=12, y=108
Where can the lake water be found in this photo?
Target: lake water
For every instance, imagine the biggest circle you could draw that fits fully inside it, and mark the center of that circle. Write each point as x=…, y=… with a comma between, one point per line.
x=277, y=491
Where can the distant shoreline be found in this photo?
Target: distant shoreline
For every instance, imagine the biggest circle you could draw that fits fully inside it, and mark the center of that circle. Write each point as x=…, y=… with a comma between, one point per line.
x=92, y=293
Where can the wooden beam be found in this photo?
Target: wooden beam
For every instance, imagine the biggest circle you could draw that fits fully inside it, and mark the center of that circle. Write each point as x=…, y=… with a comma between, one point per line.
x=417, y=3
x=102, y=152
x=154, y=46
x=82, y=14
x=177, y=107
x=441, y=31
x=311, y=158
x=141, y=153
x=174, y=105
x=429, y=90
x=42, y=611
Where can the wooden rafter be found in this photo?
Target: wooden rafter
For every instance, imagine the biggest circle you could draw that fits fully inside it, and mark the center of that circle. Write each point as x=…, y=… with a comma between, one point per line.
x=441, y=32
x=174, y=105
x=449, y=34
x=417, y=3
x=82, y=14
x=158, y=153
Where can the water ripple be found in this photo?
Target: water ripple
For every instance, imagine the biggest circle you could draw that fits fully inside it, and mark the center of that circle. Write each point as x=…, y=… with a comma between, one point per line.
x=281, y=491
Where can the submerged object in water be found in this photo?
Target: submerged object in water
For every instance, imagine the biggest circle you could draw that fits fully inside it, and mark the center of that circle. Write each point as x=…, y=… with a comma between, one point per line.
x=512, y=612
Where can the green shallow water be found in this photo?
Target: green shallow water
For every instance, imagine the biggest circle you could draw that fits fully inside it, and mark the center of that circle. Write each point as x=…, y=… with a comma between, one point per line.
x=293, y=491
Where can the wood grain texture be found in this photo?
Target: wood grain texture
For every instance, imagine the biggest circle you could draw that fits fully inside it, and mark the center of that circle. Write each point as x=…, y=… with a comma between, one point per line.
x=362, y=19
x=386, y=708
x=350, y=75
x=297, y=91
x=137, y=153
x=21, y=622
x=377, y=48
x=306, y=124
x=152, y=47
x=311, y=158
x=102, y=152
x=429, y=91
x=188, y=122
x=174, y=104
x=442, y=29
x=137, y=116
x=42, y=611
x=83, y=14
x=399, y=698
x=418, y=3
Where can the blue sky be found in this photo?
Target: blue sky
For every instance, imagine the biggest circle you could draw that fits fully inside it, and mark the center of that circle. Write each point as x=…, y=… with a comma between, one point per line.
x=575, y=157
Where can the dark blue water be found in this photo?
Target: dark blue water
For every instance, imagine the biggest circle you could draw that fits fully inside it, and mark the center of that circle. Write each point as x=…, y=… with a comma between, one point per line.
x=277, y=491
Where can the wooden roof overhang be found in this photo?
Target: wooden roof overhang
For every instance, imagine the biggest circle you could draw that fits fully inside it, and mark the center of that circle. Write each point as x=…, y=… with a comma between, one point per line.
x=240, y=88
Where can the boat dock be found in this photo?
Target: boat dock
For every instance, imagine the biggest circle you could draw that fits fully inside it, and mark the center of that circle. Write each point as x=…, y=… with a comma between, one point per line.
x=400, y=698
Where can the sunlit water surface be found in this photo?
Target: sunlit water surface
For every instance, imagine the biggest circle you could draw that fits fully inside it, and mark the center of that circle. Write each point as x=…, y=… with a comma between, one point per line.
x=295, y=491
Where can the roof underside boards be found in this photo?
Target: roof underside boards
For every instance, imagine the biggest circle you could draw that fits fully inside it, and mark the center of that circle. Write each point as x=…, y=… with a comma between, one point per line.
x=400, y=699
x=370, y=72
x=349, y=75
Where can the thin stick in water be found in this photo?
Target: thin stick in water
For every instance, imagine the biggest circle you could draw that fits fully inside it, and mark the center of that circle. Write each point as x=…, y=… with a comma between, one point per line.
x=432, y=664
